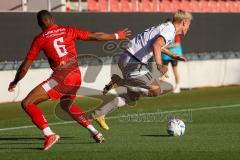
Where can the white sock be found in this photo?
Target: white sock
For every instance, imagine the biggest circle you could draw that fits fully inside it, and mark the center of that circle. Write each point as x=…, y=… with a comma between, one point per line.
x=177, y=85
x=107, y=108
x=47, y=131
x=92, y=129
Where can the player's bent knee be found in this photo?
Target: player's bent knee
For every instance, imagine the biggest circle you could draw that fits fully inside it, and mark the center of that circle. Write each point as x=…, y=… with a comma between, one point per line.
x=166, y=87
x=155, y=92
x=25, y=103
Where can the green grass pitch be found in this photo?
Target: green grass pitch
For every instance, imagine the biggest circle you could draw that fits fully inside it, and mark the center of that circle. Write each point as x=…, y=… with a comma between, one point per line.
x=211, y=115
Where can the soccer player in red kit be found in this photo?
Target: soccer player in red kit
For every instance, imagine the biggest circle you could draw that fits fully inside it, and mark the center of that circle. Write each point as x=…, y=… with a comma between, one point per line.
x=58, y=44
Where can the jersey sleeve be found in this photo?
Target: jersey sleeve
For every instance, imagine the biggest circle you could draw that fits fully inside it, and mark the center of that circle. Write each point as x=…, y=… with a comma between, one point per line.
x=34, y=50
x=168, y=34
x=80, y=34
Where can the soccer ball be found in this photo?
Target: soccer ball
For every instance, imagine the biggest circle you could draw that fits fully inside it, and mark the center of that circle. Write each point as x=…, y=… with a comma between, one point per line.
x=175, y=127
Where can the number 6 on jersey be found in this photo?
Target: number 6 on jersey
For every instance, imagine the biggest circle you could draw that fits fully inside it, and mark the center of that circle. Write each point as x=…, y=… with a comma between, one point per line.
x=60, y=47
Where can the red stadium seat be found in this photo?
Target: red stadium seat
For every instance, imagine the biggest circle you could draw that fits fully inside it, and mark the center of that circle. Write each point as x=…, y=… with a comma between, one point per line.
x=165, y=6
x=234, y=6
x=103, y=5
x=185, y=5
x=126, y=6
x=115, y=6
x=146, y=6
x=176, y=5
x=92, y=5
x=134, y=3
x=195, y=6
x=238, y=6
x=213, y=6
x=155, y=5
x=204, y=6
x=223, y=6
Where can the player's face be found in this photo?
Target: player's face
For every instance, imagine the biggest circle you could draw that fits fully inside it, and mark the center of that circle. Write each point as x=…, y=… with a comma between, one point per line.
x=185, y=26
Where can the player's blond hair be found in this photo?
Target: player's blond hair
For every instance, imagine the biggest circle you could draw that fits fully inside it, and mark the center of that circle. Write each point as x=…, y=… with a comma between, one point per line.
x=182, y=15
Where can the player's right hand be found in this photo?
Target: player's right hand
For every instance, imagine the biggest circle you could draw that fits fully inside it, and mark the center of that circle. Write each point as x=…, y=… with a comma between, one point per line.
x=163, y=69
x=12, y=86
x=124, y=34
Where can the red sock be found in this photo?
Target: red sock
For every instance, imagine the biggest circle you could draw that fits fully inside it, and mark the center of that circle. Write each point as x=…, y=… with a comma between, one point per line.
x=79, y=115
x=36, y=115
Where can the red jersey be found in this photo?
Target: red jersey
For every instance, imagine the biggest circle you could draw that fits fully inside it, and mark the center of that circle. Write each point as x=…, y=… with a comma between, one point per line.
x=177, y=39
x=58, y=44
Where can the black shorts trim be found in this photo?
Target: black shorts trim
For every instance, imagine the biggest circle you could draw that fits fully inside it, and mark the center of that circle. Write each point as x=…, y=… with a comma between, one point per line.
x=174, y=62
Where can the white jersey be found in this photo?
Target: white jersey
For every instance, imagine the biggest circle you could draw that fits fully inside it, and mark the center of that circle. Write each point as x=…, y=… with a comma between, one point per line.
x=141, y=45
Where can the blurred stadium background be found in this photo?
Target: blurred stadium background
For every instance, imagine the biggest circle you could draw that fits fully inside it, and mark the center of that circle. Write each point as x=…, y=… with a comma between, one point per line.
x=211, y=47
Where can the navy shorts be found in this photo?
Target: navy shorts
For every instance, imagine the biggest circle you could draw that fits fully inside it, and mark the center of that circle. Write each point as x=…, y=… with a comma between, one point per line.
x=174, y=63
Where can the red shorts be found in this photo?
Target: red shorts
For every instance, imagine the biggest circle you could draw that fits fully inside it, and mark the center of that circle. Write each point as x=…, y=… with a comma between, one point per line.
x=64, y=82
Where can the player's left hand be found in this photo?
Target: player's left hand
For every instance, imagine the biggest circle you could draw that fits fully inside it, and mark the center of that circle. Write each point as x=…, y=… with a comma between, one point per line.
x=163, y=69
x=12, y=86
x=124, y=34
x=180, y=58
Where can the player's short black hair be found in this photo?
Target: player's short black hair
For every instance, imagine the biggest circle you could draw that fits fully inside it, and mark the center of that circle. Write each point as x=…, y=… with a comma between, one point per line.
x=41, y=14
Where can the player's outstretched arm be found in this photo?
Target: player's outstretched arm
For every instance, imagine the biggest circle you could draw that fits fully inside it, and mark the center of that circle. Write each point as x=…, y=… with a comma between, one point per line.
x=21, y=72
x=100, y=36
x=169, y=53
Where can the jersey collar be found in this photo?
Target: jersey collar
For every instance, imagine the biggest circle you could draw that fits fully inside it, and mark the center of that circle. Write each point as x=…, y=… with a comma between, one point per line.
x=52, y=27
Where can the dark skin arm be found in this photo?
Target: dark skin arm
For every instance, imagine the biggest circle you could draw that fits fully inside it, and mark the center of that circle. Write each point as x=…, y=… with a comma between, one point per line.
x=100, y=36
x=21, y=72
x=95, y=36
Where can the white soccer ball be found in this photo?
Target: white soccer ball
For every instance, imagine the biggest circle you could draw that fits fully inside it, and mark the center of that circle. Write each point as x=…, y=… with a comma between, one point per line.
x=175, y=127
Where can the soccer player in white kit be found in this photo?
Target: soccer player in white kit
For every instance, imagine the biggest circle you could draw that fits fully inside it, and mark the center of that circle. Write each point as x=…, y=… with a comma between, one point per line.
x=133, y=64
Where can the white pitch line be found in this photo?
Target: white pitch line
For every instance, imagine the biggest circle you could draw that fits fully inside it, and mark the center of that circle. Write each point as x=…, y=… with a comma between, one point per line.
x=175, y=111
x=140, y=114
